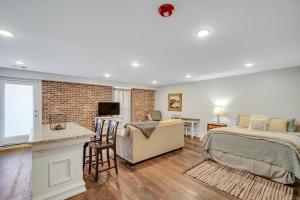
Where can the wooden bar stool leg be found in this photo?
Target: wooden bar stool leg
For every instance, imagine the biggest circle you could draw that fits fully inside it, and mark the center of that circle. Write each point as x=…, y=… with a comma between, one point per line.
x=101, y=157
x=192, y=132
x=108, y=161
x=115, y=160
x=97, y=164
x=83, y=158
x=90, y=160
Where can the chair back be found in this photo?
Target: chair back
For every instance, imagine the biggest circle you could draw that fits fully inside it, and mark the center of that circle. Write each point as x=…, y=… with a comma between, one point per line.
x=99, y=129
x=111, y=134
x=155, y=115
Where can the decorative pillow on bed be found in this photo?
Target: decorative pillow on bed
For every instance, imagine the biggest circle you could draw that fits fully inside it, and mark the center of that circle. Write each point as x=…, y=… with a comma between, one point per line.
x=291, y=125
x=244, y=121
x=278, y=125
x=258, y=124
x=263, y=117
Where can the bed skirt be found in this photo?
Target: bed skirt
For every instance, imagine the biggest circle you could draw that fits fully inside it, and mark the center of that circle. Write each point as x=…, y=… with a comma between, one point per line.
x=260, y=168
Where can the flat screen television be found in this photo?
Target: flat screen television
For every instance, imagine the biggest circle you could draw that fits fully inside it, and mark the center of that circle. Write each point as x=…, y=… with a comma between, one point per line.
x=108, y=108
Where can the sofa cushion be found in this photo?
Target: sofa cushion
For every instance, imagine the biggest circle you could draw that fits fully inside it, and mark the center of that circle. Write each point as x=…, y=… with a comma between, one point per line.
x=170, y=122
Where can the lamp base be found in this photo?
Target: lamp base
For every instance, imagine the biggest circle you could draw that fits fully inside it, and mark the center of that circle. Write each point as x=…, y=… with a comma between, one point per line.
x=218, y=119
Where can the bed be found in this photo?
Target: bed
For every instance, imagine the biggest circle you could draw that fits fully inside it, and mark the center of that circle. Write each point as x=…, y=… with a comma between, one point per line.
x=272, y=155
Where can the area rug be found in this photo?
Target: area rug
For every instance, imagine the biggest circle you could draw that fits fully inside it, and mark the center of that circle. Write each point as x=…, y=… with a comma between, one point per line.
x=240, y=184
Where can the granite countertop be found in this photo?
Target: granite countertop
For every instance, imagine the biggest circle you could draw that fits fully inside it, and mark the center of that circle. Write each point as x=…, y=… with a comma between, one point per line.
x=72, y=131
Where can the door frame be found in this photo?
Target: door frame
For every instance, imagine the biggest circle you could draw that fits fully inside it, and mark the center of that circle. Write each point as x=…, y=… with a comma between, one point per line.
x=37, y=108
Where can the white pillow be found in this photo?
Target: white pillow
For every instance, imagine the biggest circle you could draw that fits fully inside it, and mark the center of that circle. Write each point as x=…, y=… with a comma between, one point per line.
x=258, y=124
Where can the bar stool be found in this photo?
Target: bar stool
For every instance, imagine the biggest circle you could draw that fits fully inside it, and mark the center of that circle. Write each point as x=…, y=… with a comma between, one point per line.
x=97, y=137
x=99, y=146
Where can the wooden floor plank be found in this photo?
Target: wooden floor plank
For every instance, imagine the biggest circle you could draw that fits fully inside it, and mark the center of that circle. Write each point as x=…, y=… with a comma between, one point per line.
x=15, y=174
x=158, y=178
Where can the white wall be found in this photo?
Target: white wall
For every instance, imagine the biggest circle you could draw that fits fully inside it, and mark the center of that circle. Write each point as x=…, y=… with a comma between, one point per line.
x=26, y=74
x=274, y=93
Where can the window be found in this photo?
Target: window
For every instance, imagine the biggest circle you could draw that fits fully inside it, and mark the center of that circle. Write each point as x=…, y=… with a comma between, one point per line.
x=124, y=97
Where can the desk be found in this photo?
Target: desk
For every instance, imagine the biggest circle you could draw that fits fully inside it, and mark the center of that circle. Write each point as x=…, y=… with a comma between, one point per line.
x=195, y=125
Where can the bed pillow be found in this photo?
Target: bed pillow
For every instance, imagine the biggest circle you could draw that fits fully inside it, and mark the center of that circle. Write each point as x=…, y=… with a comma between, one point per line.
x=258, y=124
x=262, y=117
x=291, y=125
x=244, y=121
x=278, y=125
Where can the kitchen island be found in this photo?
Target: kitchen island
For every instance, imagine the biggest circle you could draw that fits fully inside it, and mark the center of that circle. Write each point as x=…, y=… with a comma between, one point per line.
x=57, y=161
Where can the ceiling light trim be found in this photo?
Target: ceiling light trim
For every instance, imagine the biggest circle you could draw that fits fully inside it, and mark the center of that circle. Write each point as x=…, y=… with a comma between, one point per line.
x=6, y=33
x=203, y=32
x=249, y=65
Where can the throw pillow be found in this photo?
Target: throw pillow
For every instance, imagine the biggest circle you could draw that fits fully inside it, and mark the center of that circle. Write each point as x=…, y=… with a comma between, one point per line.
x=149, y=117
x=244, y=121
x=278, y=125
x=258, y=124
x=291, y=125
x=267, y=118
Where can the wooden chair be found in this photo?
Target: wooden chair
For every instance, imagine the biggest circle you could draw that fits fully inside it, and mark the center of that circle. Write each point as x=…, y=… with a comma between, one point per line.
x=99, y=146
x=97, y=137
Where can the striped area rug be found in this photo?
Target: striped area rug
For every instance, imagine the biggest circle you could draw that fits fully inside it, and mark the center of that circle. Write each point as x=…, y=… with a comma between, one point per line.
x=240, y=184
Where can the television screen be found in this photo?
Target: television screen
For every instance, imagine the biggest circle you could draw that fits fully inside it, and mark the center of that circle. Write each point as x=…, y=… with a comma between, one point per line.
x=108, y=108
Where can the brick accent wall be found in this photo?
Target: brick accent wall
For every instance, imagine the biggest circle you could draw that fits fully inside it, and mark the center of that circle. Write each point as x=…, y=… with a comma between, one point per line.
x=78, y=101
x=142, y=103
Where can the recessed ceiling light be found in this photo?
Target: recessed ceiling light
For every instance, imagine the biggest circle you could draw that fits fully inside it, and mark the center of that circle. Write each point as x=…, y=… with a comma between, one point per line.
x=203, y=33
x=6, y=33
x=107, y=75
x=249, y=64
x=188, y=76
x=154, y=82
x=18, y=62
x=135, y=64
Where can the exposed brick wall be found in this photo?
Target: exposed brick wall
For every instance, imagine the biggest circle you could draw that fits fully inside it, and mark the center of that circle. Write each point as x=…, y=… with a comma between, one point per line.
x=142, y=103
x=78, y=101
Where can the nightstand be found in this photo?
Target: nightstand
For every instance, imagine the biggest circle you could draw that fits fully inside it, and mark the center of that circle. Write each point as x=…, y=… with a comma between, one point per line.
x=215, y=125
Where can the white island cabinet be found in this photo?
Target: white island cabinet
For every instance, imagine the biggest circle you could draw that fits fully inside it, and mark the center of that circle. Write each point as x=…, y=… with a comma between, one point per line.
x=57, y=162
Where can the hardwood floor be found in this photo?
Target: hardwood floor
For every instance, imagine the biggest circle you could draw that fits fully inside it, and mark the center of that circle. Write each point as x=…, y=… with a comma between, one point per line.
x=15, y=173
x=158, y=178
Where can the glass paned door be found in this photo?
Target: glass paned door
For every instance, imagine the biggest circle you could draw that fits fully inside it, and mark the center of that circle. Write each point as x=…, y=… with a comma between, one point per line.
x=19, y=111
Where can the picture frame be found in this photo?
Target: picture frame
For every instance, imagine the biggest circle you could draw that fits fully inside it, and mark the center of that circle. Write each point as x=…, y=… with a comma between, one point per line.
x=175, y=102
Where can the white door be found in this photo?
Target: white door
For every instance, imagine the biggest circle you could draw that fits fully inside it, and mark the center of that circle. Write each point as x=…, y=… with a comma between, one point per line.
x=18, y=110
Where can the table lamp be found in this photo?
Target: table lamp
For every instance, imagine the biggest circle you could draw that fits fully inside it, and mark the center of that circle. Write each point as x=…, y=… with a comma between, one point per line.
x=218, y=111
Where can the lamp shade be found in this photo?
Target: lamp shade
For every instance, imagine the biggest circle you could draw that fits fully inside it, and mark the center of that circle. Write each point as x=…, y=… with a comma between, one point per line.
x=218, y=111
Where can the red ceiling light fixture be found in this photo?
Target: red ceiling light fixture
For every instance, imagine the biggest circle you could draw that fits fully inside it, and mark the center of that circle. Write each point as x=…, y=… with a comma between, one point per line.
x=166, y=10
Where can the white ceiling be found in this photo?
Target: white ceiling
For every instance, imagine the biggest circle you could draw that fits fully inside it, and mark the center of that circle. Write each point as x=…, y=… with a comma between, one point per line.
x=91, y=37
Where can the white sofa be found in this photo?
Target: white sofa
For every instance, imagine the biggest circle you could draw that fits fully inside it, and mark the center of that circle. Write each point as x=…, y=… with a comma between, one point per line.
x=133, y=146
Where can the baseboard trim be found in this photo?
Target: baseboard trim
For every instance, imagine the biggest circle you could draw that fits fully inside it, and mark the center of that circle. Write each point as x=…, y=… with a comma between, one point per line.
x=15, y=147
x=63, y=193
